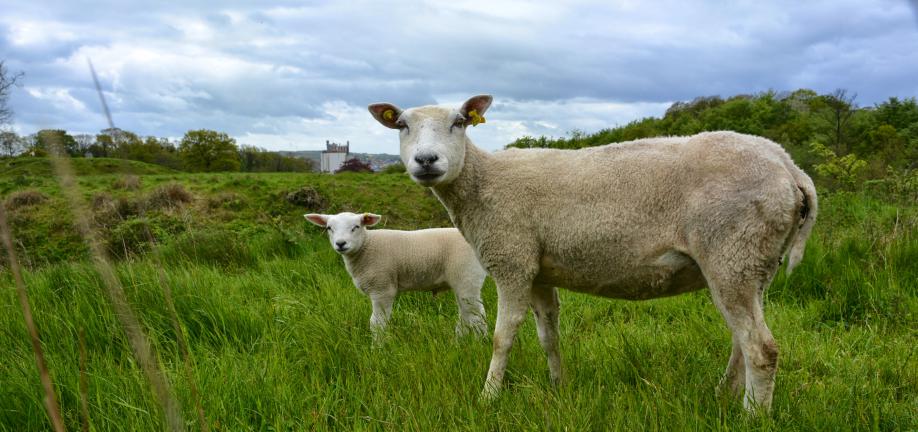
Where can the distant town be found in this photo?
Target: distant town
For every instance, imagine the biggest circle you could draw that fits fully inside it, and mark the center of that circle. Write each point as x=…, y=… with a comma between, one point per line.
x=336, y=154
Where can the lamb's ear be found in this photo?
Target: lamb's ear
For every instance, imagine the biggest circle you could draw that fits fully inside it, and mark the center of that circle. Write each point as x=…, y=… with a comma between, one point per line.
x=474, y=108
x=317, y=219
x=370, y=219
x=386, y=114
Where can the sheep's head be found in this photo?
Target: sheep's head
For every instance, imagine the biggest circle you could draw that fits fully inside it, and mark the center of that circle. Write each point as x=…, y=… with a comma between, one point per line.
x=432, y=137
x=346, y=231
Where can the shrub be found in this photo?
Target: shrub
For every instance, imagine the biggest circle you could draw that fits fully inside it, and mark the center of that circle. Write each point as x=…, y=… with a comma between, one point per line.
x=354, y=165
x=172, y=195
x=396, y=168
x=109, y=211
x=307, y=197
x=24, y=199
x=127, y=182
x=226, y=200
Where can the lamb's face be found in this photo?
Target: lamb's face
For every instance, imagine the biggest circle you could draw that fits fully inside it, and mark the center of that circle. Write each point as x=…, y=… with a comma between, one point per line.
x=432, y=138
x=346, y=231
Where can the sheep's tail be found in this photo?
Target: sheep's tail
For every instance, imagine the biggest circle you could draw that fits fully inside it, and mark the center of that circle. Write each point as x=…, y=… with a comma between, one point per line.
x=808, y=209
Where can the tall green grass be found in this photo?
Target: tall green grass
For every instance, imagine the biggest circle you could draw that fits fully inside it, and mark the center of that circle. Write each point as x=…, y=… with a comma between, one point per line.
x=280, y=341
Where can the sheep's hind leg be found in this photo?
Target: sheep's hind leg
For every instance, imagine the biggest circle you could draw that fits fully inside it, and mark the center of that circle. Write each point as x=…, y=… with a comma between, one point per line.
x=546, y=308
x=512, y=305
x=740, y=304
x=734, y=379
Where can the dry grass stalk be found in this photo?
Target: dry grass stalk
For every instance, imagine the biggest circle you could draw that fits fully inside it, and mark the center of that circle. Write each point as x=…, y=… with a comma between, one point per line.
x=54, y=412
x=84, y=386
x=140, y=344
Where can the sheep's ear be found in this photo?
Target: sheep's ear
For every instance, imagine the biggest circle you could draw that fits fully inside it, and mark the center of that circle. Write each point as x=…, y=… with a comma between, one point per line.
x=386, y=114
x=474, y=108
x=370, y=219
x=317, y=219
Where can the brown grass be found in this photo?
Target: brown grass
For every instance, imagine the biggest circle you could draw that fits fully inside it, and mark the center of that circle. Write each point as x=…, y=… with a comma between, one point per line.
x=24, y=199
x=307, y=197
x=172, y=195
x=127, y=182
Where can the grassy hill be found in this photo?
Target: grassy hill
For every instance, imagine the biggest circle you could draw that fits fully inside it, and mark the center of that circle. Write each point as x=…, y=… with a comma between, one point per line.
x=279, y=336
x=41, y=167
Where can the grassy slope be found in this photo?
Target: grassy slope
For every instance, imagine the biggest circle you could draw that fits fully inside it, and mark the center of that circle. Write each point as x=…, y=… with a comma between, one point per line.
x=280, y=340
x=41, y=167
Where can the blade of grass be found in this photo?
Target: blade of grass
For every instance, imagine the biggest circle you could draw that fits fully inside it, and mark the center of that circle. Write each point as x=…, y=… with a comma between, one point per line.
x=54, y=413
x=137, y=338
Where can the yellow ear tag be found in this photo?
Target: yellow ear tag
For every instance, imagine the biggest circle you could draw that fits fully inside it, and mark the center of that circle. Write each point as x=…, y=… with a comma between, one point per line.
x=476, y=119
x=388, y=115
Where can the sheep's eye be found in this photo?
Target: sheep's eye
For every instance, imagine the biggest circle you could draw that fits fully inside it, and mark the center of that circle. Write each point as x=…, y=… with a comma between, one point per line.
x=355, y=228
x=328, y=228
x=402, y=125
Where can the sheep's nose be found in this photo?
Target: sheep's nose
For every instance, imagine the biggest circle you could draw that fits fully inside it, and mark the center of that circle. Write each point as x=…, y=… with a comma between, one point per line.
x=340, y=244
x=426, y=159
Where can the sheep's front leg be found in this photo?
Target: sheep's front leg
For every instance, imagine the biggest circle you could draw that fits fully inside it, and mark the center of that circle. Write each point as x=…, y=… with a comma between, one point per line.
x=512, y=305
x=382, y=310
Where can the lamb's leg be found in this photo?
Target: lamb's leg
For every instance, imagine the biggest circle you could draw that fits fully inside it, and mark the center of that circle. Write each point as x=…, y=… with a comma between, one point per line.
x=467, y=289
x=382, y=310
x=546, y=308
x=471, y=313
x=512, y=304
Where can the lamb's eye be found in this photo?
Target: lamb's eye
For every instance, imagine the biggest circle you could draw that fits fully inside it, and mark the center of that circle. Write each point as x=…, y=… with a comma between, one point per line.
x=355, y=228
x=402, y=125
x=328, y=228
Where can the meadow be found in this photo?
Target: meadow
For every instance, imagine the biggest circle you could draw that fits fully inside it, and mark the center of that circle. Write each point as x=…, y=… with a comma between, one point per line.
x=279, y=339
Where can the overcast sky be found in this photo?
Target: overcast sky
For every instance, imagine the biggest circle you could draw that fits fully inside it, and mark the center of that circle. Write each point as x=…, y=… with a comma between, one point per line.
x=288, y=76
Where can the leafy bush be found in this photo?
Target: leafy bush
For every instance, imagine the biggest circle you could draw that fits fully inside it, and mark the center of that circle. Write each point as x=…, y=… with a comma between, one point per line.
x=354, y=165
x=846, y=171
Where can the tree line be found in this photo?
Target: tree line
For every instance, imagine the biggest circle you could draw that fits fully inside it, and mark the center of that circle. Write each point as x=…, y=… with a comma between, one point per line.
x=198, y=151
x=846, y=145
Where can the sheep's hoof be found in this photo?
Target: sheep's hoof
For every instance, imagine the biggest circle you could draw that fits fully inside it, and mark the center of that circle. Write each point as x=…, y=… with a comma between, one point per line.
x=489, y=393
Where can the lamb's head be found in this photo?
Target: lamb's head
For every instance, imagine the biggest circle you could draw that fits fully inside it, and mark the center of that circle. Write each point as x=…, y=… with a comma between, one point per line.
x=432, y=137
x=346, y=231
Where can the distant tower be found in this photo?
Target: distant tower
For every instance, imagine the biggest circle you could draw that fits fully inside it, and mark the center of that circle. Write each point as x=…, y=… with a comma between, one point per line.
x=334, y=156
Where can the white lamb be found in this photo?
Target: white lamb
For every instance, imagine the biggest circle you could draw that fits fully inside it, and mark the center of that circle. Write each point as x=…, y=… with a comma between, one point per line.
x=638, y=220
x=383, y=263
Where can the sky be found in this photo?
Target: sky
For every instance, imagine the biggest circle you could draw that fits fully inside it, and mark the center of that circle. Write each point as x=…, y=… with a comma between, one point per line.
x=290, y=75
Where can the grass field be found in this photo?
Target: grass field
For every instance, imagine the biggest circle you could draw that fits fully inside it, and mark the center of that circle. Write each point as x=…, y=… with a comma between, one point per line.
x=280, y=341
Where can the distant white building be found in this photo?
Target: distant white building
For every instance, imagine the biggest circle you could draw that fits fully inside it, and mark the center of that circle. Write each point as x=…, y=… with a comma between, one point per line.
x=334, y=156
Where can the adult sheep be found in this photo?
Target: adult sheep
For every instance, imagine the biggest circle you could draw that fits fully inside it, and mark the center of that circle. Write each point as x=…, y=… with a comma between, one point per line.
x=637, y=220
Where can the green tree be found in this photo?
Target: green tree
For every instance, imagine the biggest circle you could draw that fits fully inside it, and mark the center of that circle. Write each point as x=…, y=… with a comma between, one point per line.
x=209, y=151
x=48, y=139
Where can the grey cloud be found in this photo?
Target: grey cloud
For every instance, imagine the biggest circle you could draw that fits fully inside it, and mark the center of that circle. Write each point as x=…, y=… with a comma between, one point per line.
x=252, y=70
